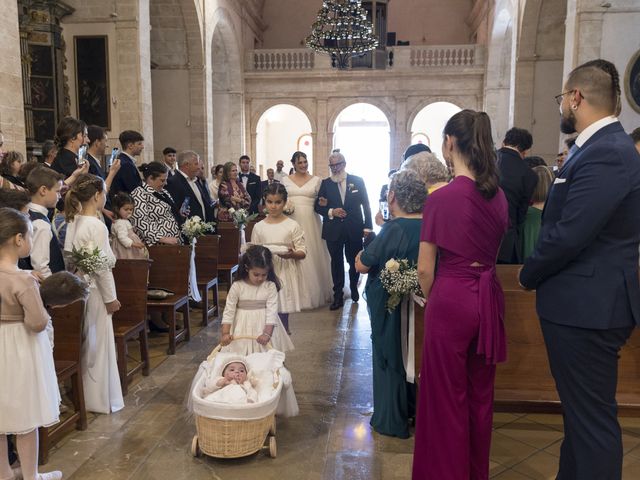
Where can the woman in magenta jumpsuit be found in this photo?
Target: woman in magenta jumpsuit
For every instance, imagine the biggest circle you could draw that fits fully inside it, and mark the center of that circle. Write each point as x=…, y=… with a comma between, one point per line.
x=463, y=224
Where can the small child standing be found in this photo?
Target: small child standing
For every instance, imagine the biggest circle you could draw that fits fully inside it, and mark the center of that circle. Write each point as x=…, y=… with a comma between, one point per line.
x=30, y=397
x=285, y=237
x=124, y=241
x=100, y=379
x=251, y=309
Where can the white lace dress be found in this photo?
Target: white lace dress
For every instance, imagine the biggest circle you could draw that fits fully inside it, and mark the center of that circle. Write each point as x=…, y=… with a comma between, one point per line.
x=317, y=289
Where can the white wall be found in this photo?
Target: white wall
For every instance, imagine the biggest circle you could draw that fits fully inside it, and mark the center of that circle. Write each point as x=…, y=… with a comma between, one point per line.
x=171, y=118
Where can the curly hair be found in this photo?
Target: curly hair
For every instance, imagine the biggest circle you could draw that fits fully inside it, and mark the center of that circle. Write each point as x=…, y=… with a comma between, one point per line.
x=409, y=190
x=428, y=167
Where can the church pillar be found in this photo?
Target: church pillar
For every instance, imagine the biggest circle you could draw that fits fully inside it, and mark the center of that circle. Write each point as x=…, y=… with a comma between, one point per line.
x=402, y=136
x=323, y=142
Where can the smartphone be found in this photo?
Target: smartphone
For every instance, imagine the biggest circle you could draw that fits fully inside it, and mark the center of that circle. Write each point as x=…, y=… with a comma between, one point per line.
x=81, y=154
x=114, y=154
x=184, y=208
x=384, y=209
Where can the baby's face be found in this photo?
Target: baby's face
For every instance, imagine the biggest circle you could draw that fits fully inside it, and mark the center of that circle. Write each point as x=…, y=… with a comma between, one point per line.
x=235, y=371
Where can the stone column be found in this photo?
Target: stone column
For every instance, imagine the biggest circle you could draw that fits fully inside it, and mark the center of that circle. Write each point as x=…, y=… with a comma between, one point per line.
x=134, y=70
x=402, y=137
x=323, y=140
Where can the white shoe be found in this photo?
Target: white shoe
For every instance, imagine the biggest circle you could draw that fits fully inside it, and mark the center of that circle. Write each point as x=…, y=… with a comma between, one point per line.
x=55, y=475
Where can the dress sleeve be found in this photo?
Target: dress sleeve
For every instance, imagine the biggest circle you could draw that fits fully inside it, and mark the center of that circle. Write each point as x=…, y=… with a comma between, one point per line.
x=246, y=198
x=144, y=228
x=120, y=228
x=256, y=237
x=272, y=305
x=104, y=279
x=36, y=317
x=374, y=254
x=229, y=314
x=297, y=235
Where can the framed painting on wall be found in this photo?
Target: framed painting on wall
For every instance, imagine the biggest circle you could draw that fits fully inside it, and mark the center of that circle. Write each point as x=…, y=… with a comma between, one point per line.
x=632, y=81
x=92, y=80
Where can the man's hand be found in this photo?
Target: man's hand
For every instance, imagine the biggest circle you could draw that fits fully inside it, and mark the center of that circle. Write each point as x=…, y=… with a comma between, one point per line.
x=522, y=286
x=323, y=202
x=339, y=212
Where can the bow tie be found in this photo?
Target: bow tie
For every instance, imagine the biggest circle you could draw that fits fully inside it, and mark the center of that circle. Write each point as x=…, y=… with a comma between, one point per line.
x=244, y=175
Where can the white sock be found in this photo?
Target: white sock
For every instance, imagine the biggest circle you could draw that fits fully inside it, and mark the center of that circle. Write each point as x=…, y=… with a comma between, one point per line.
x=28, y=453
x=5, y=468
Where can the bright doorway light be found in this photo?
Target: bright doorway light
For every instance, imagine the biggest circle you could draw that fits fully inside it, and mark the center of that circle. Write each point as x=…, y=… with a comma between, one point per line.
x=428, y=124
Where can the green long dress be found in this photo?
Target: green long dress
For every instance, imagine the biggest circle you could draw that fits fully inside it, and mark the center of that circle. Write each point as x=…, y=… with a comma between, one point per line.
x=530, y=230
x=393, y=397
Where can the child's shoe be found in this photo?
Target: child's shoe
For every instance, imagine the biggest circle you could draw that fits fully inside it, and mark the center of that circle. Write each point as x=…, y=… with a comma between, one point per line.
x=55, y=475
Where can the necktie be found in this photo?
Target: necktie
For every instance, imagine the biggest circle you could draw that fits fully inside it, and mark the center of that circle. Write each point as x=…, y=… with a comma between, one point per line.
x=342, y=190
x=572, y=151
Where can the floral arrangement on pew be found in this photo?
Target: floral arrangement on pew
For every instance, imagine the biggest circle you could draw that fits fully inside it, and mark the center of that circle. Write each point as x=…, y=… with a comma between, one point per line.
x=241, y=216
x=194, y=227
x=399, y=278
x=89, y=260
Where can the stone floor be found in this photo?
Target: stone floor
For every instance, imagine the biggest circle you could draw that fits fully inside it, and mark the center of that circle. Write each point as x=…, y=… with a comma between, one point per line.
x=330, y=439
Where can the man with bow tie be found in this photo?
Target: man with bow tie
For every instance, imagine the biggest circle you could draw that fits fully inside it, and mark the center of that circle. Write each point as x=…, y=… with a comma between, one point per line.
x=251, y=183
x=346, y=219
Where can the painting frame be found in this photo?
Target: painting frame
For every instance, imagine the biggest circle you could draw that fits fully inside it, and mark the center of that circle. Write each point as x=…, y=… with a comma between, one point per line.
x=632, y=81
x=91, y=55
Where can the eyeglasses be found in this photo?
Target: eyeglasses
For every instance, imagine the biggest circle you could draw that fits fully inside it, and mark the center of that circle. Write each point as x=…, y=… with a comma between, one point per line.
x=559, y=97
x=333, y=165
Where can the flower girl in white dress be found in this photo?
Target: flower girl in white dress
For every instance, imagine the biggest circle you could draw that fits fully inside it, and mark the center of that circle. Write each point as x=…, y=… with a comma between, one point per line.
x=251, y=308
x=100, y=379
x=285, y=238
x=29, y=397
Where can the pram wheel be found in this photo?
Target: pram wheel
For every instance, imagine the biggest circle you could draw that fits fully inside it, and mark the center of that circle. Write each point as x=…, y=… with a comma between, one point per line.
x=195, y=450
x=272, y=428
x=273, y=449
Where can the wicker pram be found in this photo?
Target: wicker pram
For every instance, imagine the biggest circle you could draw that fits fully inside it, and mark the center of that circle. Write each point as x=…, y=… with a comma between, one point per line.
x=222, y=434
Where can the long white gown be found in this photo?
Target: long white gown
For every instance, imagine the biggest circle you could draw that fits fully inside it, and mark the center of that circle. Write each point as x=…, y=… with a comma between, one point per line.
x=317, y=287
x=100, y=379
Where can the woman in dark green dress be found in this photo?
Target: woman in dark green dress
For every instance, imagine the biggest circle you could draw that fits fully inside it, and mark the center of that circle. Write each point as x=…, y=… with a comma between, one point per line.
x=393, y=396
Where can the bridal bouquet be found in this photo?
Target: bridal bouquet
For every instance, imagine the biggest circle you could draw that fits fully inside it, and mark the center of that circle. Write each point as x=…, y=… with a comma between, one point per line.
x=399, y=278
x=289, y=208
x=241, y=216
x=194, y=227
x=90, y=259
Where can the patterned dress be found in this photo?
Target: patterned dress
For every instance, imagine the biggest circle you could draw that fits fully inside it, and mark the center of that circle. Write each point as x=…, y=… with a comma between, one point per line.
x=153, y=216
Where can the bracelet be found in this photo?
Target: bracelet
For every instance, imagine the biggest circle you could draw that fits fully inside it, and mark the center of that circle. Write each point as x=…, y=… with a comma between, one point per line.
x=267, y=334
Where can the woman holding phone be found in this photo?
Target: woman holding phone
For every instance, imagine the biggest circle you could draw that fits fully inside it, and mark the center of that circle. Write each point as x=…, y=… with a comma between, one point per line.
x=71, y=134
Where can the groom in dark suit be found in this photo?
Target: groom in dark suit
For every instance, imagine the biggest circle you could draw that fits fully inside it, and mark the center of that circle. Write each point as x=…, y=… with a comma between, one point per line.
x=346, y=219
x=585, y=270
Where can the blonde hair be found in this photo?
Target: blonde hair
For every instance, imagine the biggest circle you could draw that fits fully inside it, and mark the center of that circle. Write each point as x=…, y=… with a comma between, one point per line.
x=545, y=180
x=85, y=187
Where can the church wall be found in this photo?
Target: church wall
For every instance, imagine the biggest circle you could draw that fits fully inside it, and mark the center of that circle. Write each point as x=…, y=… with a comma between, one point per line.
x=430, y=22
x=11, y=101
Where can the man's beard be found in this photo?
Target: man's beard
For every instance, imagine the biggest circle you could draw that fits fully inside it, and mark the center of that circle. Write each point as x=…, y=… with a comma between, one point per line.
x=568, y=124
x=338, y=177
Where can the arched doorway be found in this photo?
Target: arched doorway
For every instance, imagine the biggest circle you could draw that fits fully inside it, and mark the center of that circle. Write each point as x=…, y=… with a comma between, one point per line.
x=362, y=133
x=282, y=130
x=428, y=124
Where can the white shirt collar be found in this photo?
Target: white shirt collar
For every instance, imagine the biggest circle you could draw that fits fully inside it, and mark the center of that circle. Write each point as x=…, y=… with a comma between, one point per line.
x=38, y=208
x=588, y=132
x=185, y=176
x=132, y=159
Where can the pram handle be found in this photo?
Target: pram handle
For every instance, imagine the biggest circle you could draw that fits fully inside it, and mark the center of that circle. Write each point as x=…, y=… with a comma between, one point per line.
x=216, y=350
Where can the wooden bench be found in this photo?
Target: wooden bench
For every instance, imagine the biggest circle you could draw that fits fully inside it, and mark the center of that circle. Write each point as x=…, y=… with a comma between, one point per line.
x=207, y=252
x=230, y=243
x=130, y=322
x=67, y=325
x=170, y=270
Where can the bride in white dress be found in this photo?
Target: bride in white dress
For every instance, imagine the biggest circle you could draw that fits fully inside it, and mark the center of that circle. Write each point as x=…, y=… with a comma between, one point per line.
x=302, y=188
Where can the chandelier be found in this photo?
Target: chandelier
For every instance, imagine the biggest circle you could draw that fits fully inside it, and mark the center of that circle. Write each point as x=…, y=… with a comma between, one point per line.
x=342, y=31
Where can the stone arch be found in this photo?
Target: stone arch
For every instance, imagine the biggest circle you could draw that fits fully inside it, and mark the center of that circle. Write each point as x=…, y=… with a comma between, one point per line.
x=462, y=102
x=257, y=114
x=227, y=120
x=340, y=106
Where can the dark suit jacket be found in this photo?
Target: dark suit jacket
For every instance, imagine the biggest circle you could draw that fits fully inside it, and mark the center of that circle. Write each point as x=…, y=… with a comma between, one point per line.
x=356, y=204
x=128, y=178
x=265, y=183
x=517, y=181
x=254, y=189
x=585, y=265
x=94, y=167
x=180, y=189
x=66, y=162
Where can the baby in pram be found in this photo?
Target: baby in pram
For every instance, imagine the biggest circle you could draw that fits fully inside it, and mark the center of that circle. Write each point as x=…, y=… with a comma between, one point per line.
x=234, y=386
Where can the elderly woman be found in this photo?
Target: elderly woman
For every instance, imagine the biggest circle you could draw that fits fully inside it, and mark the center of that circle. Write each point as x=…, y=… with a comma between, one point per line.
x=393, y=396
x=431, y=170
x=231, y=193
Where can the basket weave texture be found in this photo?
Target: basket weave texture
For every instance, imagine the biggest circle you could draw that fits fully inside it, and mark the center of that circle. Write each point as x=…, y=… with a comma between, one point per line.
x=232, y=438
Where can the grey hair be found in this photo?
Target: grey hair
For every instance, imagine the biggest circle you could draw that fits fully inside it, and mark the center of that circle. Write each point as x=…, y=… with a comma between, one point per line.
x=337, y=155
x=428, y=167
x=186, y=157
x=409, y=189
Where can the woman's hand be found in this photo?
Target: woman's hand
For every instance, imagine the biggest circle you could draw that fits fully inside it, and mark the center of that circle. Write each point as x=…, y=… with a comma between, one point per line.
x=323, y=202
x=226, y=339
x=112, y=307
x=168, y=240
x=379, y=219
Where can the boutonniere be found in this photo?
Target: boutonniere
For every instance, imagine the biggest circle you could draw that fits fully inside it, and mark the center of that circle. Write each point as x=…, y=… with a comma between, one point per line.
x=351, y=187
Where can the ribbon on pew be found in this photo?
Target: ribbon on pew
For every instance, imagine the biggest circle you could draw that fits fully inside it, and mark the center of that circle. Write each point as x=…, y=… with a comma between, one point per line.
x=408, y=333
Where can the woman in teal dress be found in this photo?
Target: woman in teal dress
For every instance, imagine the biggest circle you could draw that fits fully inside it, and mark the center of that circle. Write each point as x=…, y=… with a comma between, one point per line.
x=393, y=397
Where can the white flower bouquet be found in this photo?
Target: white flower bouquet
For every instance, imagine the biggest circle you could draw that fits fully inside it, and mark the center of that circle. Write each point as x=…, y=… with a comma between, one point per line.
x=241, y=216
x=90, y=259
x=194, y=227
x=399, y=278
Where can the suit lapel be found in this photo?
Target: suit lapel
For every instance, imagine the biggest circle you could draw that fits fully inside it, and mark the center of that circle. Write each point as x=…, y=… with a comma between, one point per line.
x=335, y=188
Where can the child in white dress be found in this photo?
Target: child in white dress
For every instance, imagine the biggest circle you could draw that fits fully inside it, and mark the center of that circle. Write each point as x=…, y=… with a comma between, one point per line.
x=29, y=397
x=251, y=309
x=285, y=238
x=100, y=379
x=124, y=241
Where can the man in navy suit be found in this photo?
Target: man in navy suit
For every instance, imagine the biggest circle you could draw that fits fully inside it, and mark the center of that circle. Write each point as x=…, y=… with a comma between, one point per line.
x=251, y=182
x=128, y=178
x=184, y=184
x=346, y=219
x=585, y=270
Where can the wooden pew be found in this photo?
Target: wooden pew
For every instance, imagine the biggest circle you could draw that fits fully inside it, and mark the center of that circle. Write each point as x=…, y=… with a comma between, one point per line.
x=230, y=243
x=249, y=228
x=207, y=252
x=418, y=319
x=67, y=325
x=130, y=321
x=170, y=270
